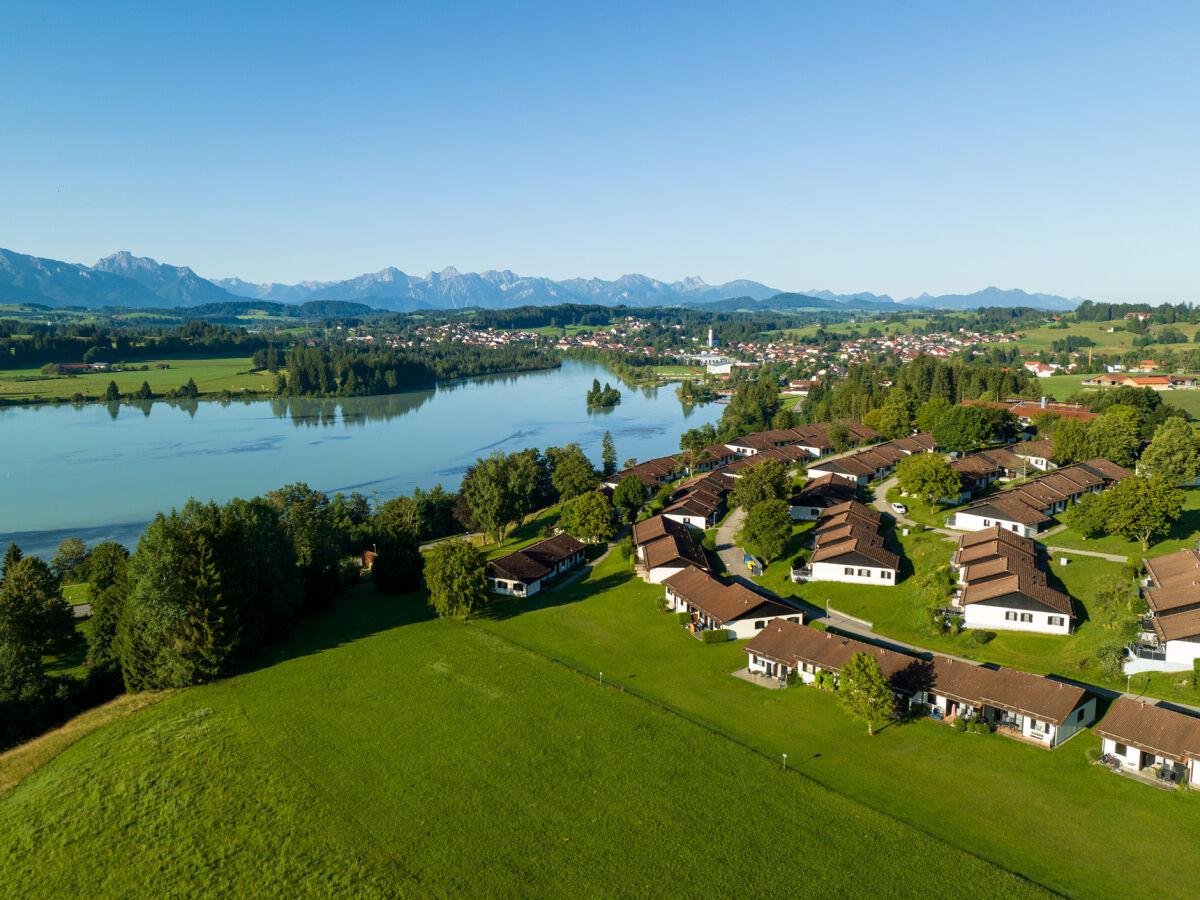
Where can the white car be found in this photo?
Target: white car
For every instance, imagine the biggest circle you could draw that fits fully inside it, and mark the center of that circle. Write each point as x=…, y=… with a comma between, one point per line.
x=899, y=509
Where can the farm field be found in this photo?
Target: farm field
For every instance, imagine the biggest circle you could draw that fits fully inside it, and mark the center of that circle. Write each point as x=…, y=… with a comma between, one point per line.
x=211, y=376
x=1116, y=342
x=380, y=753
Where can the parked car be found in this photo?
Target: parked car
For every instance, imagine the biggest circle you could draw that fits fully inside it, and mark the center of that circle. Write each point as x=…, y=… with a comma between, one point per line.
x=899, y=509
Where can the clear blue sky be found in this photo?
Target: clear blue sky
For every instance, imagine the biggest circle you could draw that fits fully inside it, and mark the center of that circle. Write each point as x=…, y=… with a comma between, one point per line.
x=890, y=147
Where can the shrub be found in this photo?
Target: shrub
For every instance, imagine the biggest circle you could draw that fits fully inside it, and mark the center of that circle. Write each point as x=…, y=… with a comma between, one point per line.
x=819, y=625
x=1110, y=659
x=683, y=618
x=960, y=726
x=625, y=548
x=979, y=638
x=826, y=681
x=793, y=678
x=714, y=636
x=709, y=541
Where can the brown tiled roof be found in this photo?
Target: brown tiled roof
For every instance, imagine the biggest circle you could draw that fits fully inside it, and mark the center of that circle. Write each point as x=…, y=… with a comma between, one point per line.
x=853, y=506
x=1022, y=579
x=1032, y=695
x=959, y=680
x=790, y=643
x=1006, y=459
x=1175, y=580
x=664, y=540
x=1107, y=469
x=649, y=529
x=1009, y=508
x=519, y=566
x=1040, y=449
x=976, y=464
x=1153, y=729
x=537, y=560
x=847, y=464
x=824, y=488
x=723, y=602
x=1177, y=626
x=995, y=533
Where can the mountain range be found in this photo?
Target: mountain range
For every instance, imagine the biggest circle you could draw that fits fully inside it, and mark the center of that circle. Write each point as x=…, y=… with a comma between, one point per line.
x=132, y=281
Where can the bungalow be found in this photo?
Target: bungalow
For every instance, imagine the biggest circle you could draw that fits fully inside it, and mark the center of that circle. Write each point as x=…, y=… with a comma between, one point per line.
x=715, y=604
x=1038, y=454
x=848, y=468
x=954, y=687
x=697, y=508
x=1010, y=513
x=1005, y=585
x=849, y=547
x=1146, y=738
x=653, y=473
x=523, y=572
x=665, y=547
x=818, y=494
x=785, y=647
x=1178, y=639
x=1035, y=708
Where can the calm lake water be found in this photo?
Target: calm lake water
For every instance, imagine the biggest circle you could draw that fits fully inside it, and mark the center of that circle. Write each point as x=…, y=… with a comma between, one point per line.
x=101, y=472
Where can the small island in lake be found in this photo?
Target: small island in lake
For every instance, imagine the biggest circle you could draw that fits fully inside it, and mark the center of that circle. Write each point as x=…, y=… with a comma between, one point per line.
x=596, y=397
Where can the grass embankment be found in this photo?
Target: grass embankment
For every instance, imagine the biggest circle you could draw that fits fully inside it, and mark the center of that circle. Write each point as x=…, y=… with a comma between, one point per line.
x=211, y=376
x=381, y=753
x=22, y=761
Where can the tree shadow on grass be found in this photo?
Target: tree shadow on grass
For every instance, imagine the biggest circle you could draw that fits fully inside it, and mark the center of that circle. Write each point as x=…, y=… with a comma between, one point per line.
x=502, y=608
x=356, y=614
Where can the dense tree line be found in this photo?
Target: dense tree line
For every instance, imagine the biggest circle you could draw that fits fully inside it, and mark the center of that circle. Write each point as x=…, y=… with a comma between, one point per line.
x=207, y=588
x=347, y=371
x=24, y=343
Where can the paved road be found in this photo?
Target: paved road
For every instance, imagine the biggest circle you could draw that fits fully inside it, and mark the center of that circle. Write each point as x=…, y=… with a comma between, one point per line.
x=1111, y=557
x=880, y=502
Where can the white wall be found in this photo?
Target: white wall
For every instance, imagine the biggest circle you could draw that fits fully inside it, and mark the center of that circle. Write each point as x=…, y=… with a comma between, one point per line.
x=747, y=628
x=1131, y=758
x=1074, y=723
x=992, y=618
x=965, y=521
x=1181, y=651
x=834, y=571
x=806, y=513
x=692, y=521
x=662, y=573
x=505, y=586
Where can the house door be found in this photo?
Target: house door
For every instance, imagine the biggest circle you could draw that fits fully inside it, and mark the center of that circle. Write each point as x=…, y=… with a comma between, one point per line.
x=951, y=709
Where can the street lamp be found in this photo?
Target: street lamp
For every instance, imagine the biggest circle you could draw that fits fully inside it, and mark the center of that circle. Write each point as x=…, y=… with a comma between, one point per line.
x=602, y=678
x=785, y=760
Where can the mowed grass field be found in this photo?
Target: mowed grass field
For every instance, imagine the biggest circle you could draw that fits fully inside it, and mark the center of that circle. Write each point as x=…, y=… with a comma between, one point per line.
x=384, y=754
x=380, y=752
x=211, y=376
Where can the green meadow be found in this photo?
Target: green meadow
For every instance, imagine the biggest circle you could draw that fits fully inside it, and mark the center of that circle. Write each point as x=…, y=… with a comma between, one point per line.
x=380, y=752
x=211, y=376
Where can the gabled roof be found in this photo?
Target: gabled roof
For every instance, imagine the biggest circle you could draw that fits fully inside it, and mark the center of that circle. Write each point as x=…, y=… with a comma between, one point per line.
x=1153, y=729
x=537, y=560
x=789, y=643
x=1177, y=626
x=1038, y=449
x=1175, y=581
x=1006, y=508
x=1020, y=579
x=1033, y=696
x=724, y=602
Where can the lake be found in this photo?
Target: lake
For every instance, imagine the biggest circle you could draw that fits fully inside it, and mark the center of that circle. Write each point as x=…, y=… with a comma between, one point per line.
x=101, y=472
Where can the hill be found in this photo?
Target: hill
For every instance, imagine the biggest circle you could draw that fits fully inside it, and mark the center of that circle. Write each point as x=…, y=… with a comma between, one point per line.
x=382, y=754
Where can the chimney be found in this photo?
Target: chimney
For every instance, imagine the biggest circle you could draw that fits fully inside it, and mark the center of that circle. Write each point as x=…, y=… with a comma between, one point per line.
x=1043, y=402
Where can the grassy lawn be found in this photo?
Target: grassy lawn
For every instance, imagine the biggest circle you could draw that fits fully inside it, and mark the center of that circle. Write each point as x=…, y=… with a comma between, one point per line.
x=1182, y=535
x=211, y=376
x=75, y=594
x=919, y=511
x=380, y=753
x=987, y=795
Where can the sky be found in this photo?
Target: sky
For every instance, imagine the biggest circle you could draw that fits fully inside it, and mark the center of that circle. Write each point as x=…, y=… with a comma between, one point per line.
x=893, y=148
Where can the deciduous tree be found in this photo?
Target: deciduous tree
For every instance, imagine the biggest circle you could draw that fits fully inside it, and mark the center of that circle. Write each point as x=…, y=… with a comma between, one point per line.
x=928, y=476
x=1173, y=454
x=764, y=481
x=630, y=496
x=767, y=529
x=1140, y=508
x=865, y=692
x=69, y=561
x=456, y=574
x=589, y=517
x=961, y=428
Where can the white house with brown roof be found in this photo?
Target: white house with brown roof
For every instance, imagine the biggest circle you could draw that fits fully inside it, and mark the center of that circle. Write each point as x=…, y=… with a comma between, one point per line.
x=849, y=547
x=719, y=605
x=1004, y=585
x=1151, y=740
x=1038, y=709
x=664, y=548
x=1172, y=593
x=523, y=572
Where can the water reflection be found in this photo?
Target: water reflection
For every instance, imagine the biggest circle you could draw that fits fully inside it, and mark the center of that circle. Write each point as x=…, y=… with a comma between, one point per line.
x=349, y=411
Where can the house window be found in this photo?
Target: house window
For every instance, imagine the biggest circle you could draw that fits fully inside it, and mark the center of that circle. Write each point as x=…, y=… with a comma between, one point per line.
x=760, y=624
x=1122, y=750
x=848, y=570
x=1055, y=620
x=886, y=575
x=1079, y=716
x=1015, y=528
x=1010, y=616
x=865, y=573
x=987, y=522
x=795, y=619
x=1026, y=617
